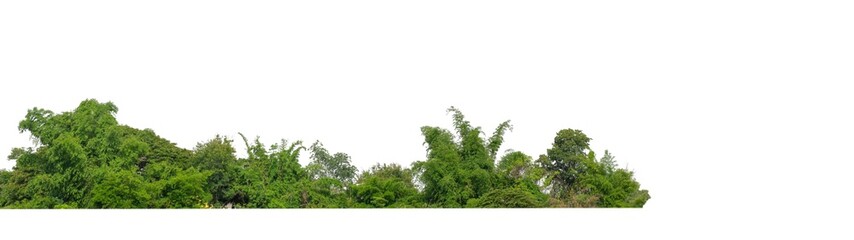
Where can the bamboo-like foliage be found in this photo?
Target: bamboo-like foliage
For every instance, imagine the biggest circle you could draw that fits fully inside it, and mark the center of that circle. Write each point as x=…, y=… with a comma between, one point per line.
x=85, y=159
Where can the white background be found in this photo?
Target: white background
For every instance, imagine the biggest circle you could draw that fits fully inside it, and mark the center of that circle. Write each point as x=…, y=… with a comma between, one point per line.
x=735, y=115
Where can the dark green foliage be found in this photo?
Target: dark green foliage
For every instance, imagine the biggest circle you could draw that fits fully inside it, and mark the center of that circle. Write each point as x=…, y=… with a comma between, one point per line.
x=12, y=187
x=85, y=159
x=577, y=179
x=566, y=160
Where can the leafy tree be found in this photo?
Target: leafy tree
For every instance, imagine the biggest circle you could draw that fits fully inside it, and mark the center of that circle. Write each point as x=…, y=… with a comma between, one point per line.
x=121, y=189
x=518, y=173
x=325, y=165
x=13, y=185
x=217, y=157
x=566, y=160
x=5, y=181
x=611, y=186
x=386, y=185
x=272, y=177
x=85, y=159
x=456, y=171
x=284, y=161
x=59, y=176
x=515, y=165
x=5, y=176
x=174, y=187
x=92, y=119
x=578, y=179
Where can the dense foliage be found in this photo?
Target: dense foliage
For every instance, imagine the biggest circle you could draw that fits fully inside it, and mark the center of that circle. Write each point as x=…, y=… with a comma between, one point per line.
x=86, y=159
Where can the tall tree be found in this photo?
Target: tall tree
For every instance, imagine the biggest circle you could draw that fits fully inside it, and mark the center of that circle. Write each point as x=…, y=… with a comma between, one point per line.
x=578, y=179
x=217, y=156
x=456, y=171
x=566, y=160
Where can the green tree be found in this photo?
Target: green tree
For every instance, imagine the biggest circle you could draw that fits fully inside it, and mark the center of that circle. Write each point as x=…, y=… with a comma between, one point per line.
x=272, y=177
x=386, y=185
x=121, y=189
x=63, y=178
x=174, y=187
x=577, y=179
x=284, y=161
x=325, y=165
x=611, y=186
x=517, y=174
x=217, y=157
x=456, y=171
x=515, y=165
x=566, y=160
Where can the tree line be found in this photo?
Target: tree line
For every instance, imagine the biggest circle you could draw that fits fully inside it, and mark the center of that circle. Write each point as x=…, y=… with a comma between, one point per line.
x=85, y=159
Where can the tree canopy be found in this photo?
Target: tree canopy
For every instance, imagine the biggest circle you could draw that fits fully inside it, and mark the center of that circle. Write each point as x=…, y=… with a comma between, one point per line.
x=85, y=159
